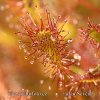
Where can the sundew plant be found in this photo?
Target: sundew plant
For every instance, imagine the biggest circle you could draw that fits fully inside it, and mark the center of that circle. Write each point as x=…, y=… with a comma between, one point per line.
x=50, y=49
x=60, y=60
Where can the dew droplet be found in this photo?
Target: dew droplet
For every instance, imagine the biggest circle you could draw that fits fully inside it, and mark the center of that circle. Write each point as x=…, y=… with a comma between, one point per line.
x=73, y=51
x=23, y=89
x=47, y=59
x=78, y=63
x=31, y=62
x=72, y=60
x=50, y=76
x=25, y=57
x=25, y=50
x=63, y=61
x=60, y=84
x=75, y=21
x=70, y=40
x=19, y=41
x=95, y=55
x=91, y=70
x=41, y=81
x=19, y=3
x=60, y=76
x=49, y=87
x=52, y=38
x=28, y=53
x=77, y=56
x=56, y=94
x=20, y=47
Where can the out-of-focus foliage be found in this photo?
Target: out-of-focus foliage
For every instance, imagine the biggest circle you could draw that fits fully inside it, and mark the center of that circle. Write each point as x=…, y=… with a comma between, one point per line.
x=96, y=35
x=17, y=73
x=69, y=31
